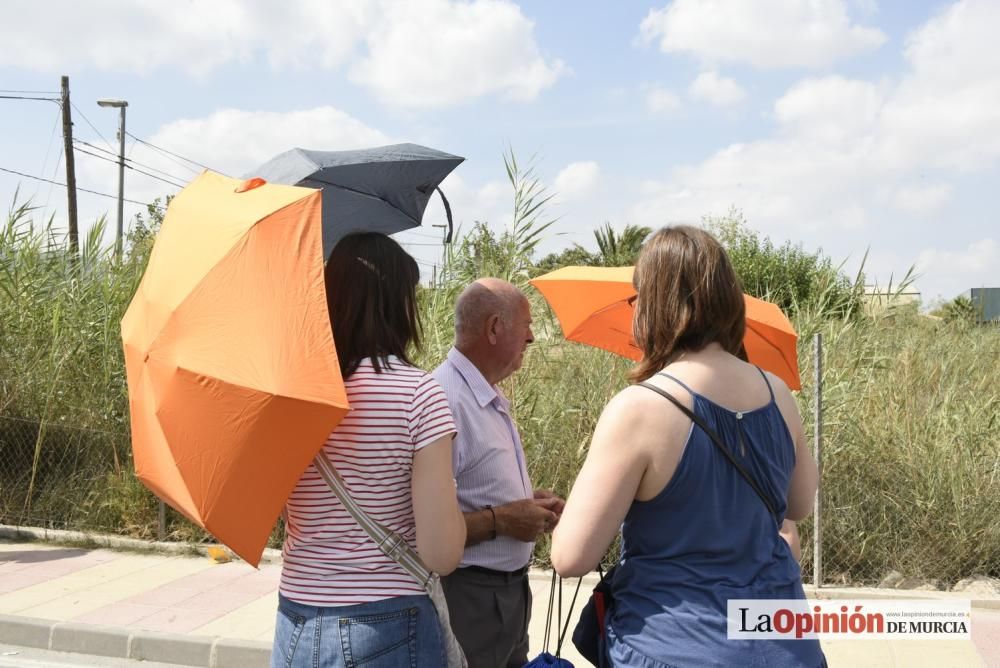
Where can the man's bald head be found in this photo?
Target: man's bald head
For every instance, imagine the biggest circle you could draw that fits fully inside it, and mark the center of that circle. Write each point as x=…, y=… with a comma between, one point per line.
x=480, y=301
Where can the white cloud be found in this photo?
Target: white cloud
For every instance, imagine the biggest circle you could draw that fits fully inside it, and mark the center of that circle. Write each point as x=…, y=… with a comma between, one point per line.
x=847, y=156
x=142, y=36
x=970, y=267
x=235, y=141
x=922, y=200
x=576, y=179
x=831, y=109
x=946, y=112
x=718, y=90
x=866, y=8
x=438, y=52
x=660, y=100
x=763, y=33
x=414, y=53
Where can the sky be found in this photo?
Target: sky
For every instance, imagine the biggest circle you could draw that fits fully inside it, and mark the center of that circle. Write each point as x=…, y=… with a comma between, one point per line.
x=851, y=126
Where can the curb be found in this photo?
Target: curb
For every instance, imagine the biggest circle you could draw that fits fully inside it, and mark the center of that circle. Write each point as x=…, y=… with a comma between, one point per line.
x=900, y=594
x=270, y=556
x=96, y=640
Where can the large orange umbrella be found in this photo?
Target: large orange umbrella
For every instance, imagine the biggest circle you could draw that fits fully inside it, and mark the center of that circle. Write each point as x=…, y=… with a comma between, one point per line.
x=233, y=377
x=593, y=308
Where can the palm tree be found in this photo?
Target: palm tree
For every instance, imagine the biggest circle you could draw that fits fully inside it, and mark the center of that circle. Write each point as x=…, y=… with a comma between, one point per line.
x=960, y=309
x=619, y=250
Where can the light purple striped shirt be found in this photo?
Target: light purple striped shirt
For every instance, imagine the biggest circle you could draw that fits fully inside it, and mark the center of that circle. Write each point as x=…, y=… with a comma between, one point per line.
x=487, y=457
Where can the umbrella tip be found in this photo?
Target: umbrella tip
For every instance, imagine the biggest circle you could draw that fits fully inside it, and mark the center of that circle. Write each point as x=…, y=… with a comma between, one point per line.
x=250, y=184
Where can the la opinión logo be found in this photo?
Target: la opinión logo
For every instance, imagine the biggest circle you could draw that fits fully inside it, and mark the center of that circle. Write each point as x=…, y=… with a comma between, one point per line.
x=777, y=619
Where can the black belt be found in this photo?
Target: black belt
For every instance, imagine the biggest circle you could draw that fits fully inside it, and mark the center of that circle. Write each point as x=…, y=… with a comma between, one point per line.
x=506, y=575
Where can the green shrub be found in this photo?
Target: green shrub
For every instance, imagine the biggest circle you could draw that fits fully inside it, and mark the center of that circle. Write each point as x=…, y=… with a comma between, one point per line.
x=786, y=275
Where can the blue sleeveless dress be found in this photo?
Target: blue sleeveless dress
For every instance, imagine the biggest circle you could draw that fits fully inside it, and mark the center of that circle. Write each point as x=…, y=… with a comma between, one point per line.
x=704, y=539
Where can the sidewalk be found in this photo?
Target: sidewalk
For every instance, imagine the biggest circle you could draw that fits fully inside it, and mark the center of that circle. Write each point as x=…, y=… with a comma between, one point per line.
x=189, y=610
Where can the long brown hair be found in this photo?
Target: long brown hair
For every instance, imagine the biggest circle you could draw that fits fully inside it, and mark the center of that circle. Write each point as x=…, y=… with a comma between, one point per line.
x=371, y=292
x=689, y=297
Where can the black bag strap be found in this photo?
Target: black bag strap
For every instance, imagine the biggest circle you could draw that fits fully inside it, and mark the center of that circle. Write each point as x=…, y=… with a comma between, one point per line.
x=719, y=444
x=559, y=616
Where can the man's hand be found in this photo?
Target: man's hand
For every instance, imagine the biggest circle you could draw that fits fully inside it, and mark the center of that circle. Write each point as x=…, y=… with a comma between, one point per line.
x=524, y=520
x=557, y=506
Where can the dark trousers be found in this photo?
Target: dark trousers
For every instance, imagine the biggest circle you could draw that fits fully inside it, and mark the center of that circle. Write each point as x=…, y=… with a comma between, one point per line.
x=489, y=614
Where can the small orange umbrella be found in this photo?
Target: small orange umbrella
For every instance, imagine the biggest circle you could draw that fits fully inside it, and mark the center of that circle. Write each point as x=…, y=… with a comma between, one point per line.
x=233, y=377
x=592, y=306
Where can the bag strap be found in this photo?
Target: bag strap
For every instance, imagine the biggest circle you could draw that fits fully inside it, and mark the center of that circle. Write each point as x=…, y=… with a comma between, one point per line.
x=559, y=616
x=569, y=615
x=389, y=542
x=718, y=443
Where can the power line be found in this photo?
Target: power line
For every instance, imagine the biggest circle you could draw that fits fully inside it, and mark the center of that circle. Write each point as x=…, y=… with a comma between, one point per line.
x=32, y=92
x=23, y=97
x=48, y=196
x=176, y=162
x=97, y=148
x=99, y=157
x=158, y=148
x=92, y=192
x=129, y=160
x=135, y=169
x=154, y=176
x=92, y=126
x=48, y=149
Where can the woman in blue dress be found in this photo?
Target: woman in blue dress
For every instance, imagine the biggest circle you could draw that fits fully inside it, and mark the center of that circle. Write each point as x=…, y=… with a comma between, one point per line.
x=694, y=532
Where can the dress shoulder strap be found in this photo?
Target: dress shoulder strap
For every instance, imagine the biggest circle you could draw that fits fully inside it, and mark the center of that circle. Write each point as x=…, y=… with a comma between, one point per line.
x=764, y=376
x=679, y=382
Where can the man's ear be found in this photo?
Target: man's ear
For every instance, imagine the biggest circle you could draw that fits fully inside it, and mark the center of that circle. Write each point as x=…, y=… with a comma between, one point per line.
x=493, y=328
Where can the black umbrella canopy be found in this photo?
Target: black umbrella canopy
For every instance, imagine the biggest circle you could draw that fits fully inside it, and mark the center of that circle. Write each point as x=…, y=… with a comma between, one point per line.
x=383, y=189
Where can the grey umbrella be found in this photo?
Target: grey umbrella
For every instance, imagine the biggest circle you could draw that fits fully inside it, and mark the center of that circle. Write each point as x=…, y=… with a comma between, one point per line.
x=383, y=189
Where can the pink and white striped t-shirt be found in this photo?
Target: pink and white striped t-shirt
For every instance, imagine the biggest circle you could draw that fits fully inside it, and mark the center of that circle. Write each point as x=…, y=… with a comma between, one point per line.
x=329, y=560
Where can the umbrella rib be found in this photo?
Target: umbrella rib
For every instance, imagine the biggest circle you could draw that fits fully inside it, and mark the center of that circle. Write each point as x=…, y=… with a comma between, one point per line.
x=766, y=340
x=594, y=315
x=362, y=193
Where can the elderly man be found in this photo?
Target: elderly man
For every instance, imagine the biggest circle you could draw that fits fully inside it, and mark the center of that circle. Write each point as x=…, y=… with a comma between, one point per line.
x=488, y=596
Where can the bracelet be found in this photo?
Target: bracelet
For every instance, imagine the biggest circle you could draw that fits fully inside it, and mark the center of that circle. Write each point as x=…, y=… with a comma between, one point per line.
x=493, y=532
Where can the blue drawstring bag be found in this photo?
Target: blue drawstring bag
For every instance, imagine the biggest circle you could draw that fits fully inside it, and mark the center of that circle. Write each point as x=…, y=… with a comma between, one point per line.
x=546, y=659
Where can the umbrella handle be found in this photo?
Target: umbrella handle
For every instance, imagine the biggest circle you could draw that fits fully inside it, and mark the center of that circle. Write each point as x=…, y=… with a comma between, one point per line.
x=447, y=213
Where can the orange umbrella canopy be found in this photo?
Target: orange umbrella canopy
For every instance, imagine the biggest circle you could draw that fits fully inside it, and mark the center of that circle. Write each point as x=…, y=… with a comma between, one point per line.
x=233, y=377
x=592, y=306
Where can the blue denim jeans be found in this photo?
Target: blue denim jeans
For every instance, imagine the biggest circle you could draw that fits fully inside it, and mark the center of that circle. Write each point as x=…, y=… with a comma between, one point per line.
x=392, y=633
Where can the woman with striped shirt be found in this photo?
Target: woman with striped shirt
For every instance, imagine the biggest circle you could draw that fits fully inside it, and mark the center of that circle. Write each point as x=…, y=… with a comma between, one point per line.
x=342, y=602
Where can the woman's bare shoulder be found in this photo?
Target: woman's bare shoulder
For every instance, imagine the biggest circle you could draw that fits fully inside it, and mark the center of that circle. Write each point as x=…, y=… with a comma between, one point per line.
x=644, y=415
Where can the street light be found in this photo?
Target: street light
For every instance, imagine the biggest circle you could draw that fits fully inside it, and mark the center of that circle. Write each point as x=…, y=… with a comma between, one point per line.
x=120, y=104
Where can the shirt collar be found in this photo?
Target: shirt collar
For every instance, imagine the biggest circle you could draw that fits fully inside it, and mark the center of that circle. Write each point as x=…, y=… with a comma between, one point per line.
x=481, y=388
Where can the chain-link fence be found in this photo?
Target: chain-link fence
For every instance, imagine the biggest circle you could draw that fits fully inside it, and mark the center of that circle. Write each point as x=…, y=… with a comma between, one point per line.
x=907, y=436
x=57, y=476
x=898, y=507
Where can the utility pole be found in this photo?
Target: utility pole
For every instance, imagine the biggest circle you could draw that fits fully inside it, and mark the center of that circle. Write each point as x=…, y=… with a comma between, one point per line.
x=74, y=230
x=444, y=248
x=121, y=105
